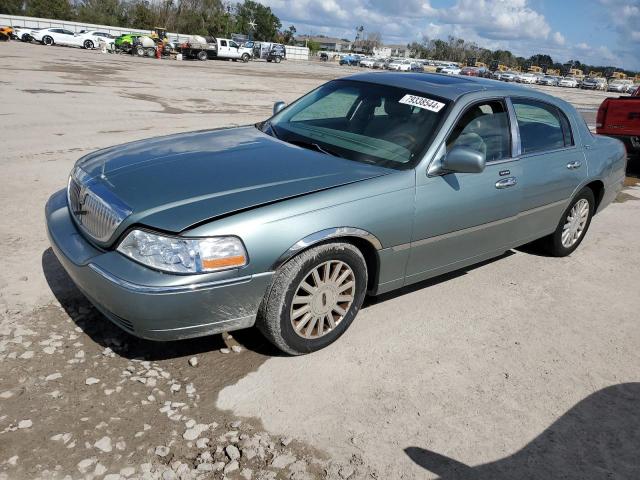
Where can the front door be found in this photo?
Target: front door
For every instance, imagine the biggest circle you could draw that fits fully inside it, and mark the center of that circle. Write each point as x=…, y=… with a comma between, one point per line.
x=463, y=218
x=552, y=166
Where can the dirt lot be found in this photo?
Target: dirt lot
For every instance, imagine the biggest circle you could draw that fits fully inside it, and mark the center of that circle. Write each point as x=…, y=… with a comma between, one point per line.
x=523, y=367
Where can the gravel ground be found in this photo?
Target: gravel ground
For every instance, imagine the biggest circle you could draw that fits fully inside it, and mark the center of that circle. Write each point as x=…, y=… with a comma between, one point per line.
x=522, y=367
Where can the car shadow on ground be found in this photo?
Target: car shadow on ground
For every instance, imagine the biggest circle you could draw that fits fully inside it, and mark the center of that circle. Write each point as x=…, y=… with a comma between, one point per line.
x=599, y=438
x=106, y=334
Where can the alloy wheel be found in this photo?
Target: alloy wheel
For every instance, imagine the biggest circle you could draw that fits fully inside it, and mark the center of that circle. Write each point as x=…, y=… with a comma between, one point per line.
x=575, y=223
x=322, y=299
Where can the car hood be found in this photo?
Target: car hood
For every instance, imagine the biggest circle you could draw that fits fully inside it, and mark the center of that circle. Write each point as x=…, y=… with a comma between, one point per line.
x=173, y=182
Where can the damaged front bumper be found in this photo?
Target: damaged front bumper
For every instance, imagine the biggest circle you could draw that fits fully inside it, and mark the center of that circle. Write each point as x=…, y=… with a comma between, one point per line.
x=147, y=303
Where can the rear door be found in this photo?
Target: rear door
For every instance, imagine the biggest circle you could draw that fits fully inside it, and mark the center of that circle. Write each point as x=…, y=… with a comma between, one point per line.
x=463, y=218
x=553, y=165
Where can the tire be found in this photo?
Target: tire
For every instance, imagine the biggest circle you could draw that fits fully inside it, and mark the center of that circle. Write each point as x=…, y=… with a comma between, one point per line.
x=554, y=244
x=245, y=57
x=202, y=55
x=277, y=59
x=88, y=44
x=269, y=60
x=139, y=51
x=276, y=317
x=47, y=40
x=150, y=52
x=25, y=37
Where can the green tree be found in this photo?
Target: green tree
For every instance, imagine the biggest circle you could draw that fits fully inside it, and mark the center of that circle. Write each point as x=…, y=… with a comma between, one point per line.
x=313, y=46
x=104, y=12
x=12, y=7
x=55, y=9
x=266, y=23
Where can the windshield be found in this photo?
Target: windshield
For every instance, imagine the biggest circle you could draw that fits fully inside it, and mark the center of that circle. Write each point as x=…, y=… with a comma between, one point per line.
x=360, y=121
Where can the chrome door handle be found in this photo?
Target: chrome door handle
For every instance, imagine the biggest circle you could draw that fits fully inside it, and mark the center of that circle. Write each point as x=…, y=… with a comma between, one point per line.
x=507, y=182
x=574, y=165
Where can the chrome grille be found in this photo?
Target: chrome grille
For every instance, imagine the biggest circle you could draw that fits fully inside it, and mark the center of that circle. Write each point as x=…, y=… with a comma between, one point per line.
x=95, y=209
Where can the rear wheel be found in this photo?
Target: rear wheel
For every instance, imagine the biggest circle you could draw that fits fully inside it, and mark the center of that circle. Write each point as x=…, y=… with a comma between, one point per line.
x=573, y=225
x=47, y=40
x=88, y=44
x=139, y=51
x=151, y=52
x=202, y=55
x=277, y=59
x=314, y=298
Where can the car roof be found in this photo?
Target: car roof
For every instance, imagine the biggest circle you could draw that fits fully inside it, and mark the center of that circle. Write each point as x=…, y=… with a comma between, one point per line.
x=442, y=85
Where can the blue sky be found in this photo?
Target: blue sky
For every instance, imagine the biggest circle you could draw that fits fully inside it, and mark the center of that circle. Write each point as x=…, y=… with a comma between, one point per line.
x=600, y=32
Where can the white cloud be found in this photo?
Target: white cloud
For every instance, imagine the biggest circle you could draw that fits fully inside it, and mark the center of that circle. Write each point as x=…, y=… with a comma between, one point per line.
x=508, y=24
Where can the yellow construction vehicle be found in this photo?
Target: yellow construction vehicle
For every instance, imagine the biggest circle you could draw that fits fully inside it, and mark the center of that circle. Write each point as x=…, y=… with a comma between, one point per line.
x=619, y=75
x=594, y=74
x=553, y=71
x=535, y=69
x=576, y=72
x=5, y=33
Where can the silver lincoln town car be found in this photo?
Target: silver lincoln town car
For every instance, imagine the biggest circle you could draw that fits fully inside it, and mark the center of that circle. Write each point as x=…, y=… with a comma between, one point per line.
x=365, y=185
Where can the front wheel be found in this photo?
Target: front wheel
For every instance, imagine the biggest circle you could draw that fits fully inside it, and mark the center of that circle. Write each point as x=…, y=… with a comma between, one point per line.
x=47, y=40
x=245, y=57
x=573, y=225
x=278, y=59
x=314, y=298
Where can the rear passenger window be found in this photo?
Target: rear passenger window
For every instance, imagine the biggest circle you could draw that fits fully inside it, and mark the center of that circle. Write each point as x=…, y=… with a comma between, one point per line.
x=542, y=126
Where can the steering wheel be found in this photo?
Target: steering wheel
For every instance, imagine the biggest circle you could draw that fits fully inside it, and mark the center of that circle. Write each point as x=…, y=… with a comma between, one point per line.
x=402, y=136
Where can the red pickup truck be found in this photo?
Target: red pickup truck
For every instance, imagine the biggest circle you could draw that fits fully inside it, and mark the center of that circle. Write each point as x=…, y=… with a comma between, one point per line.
x=620, y=118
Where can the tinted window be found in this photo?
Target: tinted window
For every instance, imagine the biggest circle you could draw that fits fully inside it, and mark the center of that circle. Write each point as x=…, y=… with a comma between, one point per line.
x=67, y=32
x=542, y=126
x=483, y=127
x=223, y=43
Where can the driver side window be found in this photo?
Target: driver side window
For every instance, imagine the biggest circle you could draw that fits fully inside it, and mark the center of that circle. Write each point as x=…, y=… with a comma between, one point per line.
x=483, y=127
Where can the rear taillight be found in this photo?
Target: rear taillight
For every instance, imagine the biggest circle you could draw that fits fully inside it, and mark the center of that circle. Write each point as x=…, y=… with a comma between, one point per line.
x=602, y=114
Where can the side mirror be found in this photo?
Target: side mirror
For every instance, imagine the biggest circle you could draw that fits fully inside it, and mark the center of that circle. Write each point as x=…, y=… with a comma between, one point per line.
x=278, y=106
x=464, y=160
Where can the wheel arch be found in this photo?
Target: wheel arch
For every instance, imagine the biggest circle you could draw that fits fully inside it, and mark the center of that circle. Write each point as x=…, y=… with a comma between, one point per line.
x=365, y=241
x=597, y=187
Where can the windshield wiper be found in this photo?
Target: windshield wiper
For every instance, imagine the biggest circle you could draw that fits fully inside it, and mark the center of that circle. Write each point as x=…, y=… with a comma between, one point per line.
x=315, y=146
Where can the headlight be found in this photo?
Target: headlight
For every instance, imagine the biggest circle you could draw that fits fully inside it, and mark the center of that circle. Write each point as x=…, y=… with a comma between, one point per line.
x=183, y=255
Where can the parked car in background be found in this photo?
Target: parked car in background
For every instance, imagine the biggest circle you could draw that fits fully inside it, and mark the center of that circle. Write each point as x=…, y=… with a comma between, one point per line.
x=62, y=36
x=416, y=66
x=93, y=38
x=277, y=53
x=631, y=88
x=351, y=60
x=450, y=70
x=570, y=82
x=620, y=118
x=381, y=63
x=470, y=71
x=549, y=80
x=400, y=65
x=619, y=85
x=529, y=78
x=23, y=33
x=589, y=83
x=367, y=62
x=326, y=207
x=508, y=76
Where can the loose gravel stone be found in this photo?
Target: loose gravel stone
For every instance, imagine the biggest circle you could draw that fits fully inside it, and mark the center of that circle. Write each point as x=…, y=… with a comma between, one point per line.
x=224, y=350
x=22, y=424
x=192, y=433
x=202, y=442
x=193, y=361
x=53, y=376
x=283, y=460
x=231, y=467
x=232, y=452
x=91, y=381
x=162, y=451
x=236, y=349
x=104, y=444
